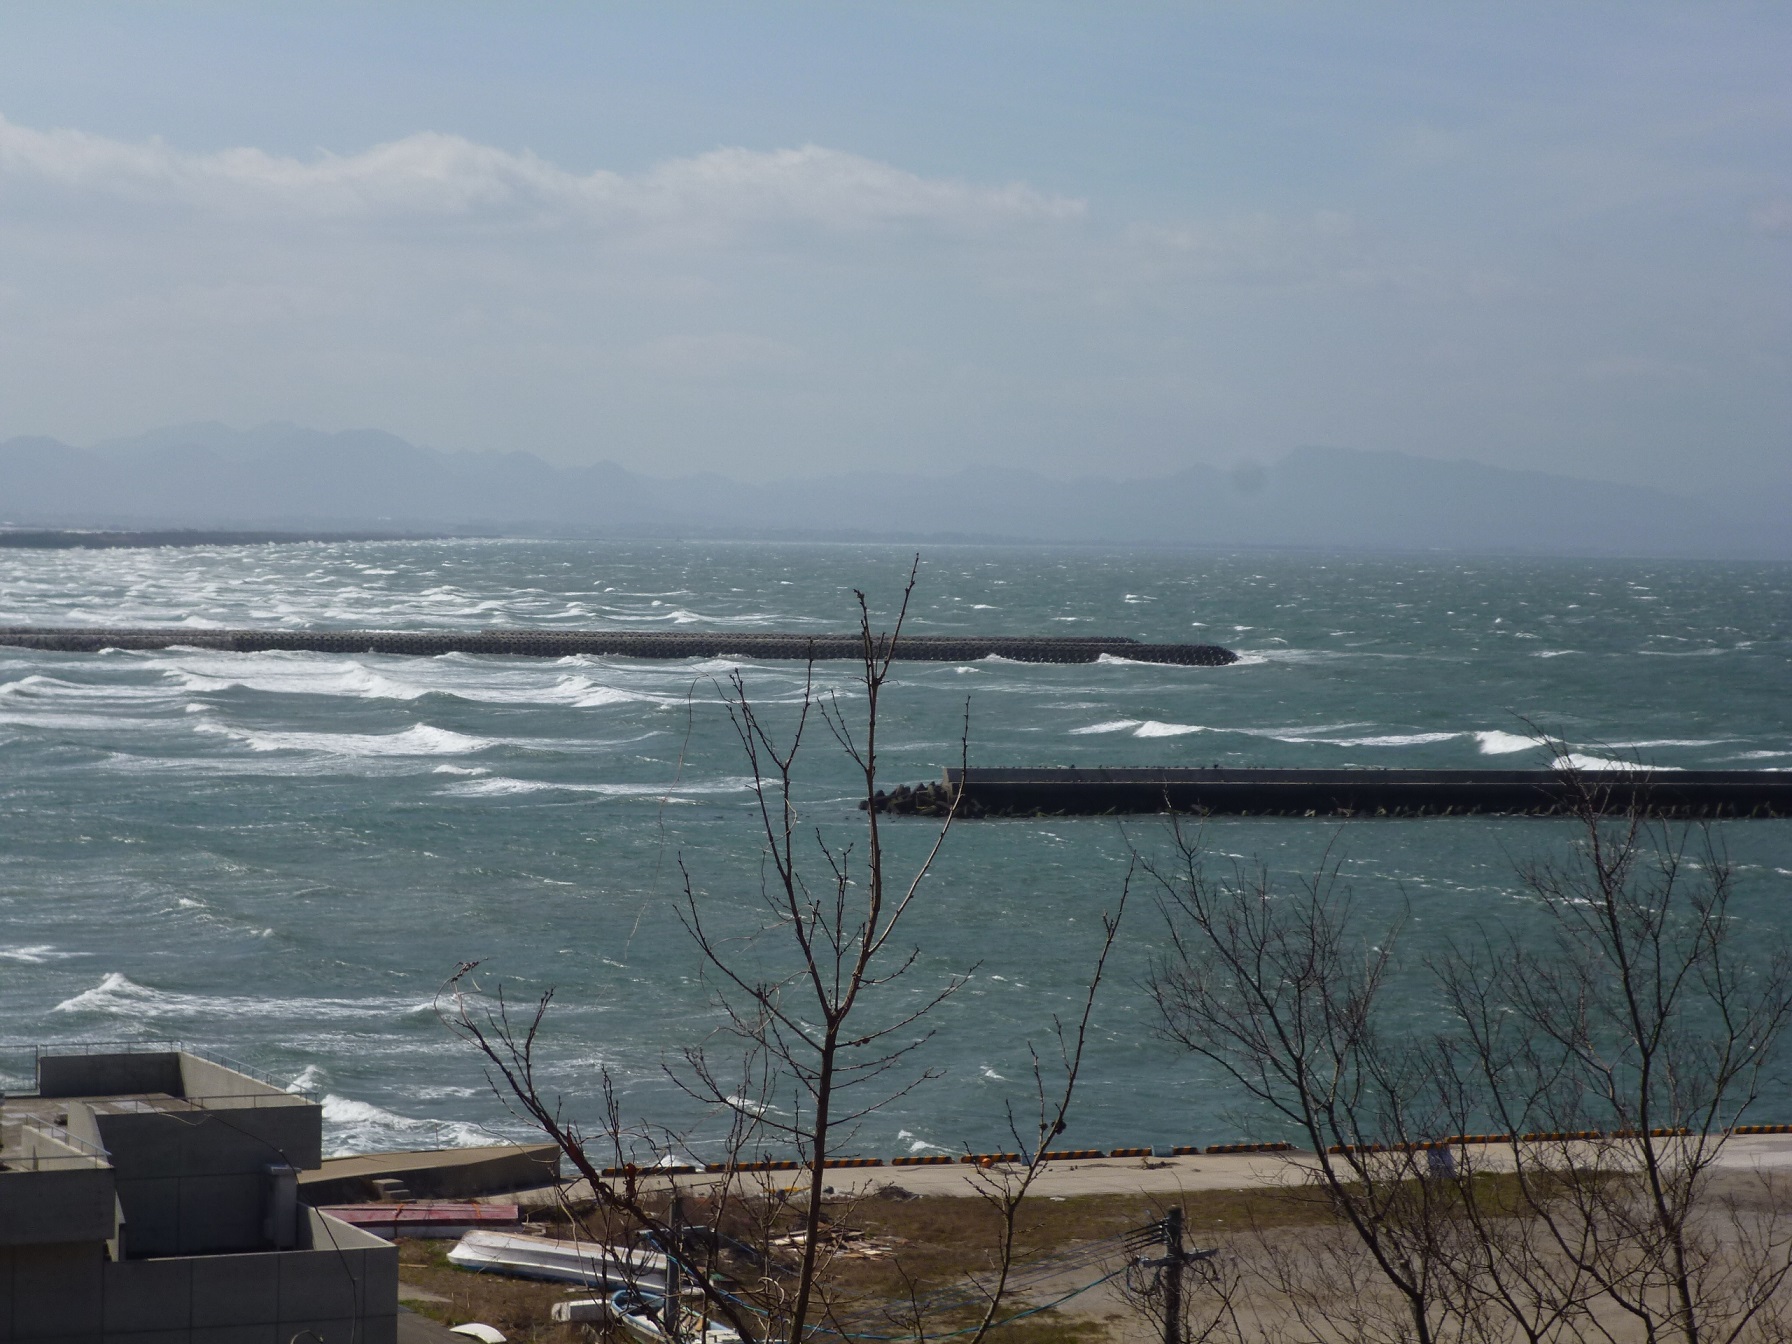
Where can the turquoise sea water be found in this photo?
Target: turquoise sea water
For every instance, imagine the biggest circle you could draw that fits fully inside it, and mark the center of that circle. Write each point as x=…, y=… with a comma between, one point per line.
x=284, y=855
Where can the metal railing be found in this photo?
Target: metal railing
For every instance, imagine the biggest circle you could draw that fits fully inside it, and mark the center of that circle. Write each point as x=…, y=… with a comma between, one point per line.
x=81, y=1153
x=170, y=1046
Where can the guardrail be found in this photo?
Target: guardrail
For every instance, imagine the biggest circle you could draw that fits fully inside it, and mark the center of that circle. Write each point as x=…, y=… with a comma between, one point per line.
x=167, y=1046
x=81, y=1153
x=1162, y=1151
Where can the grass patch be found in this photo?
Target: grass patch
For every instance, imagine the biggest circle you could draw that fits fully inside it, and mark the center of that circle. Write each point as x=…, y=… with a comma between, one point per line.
x=518, y=1307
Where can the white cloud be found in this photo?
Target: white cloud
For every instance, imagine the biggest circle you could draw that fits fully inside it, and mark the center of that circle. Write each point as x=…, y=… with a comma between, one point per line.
x=446, y=176
x=805, y=305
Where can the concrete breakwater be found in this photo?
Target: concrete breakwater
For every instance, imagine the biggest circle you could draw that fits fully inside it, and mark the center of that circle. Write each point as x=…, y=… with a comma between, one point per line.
x=615, y=643
x=1071, y=791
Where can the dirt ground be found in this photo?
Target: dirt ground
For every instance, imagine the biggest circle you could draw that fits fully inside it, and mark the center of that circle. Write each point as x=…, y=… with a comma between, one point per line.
x=894, y=1243
x=905, y=1233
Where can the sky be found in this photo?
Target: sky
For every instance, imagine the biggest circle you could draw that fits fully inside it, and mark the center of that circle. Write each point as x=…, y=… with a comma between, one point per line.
x=765, y=239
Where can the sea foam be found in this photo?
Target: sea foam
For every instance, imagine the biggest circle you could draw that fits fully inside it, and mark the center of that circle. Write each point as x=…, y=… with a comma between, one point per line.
x=418, y=740
x=117, y=995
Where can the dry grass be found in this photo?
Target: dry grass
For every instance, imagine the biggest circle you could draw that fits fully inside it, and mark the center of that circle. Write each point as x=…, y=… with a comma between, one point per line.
x=940, y=1237
x=518, y=1307
x=928, y=1244
x=932, y=1241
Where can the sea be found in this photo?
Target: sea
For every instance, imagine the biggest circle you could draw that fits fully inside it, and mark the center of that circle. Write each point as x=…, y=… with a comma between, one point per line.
x=285, y=857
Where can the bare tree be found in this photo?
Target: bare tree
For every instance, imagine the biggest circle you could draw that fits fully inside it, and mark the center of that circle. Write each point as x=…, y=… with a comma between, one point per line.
x=1613, y=1038
x=1283, y=994
x=815, y=1031
x=1645, y=1015
x=1005, y=1187
x=808, y=1032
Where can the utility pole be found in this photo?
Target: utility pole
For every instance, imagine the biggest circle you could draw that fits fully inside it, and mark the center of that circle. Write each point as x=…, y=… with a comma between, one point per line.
x=673, y=1323
x=1173, y=1262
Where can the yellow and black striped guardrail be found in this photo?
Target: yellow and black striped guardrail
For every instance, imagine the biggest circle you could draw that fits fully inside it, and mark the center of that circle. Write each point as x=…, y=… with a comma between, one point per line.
x=1177, y=1150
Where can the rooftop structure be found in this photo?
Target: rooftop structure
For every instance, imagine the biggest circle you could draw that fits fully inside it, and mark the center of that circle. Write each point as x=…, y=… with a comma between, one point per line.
x=150, y=1196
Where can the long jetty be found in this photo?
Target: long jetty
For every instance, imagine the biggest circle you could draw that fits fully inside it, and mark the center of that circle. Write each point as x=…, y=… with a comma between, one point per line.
x=616, y=643
x=1072, y=791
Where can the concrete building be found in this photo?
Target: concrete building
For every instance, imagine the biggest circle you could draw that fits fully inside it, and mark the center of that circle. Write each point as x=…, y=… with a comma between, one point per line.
x=150, y=1197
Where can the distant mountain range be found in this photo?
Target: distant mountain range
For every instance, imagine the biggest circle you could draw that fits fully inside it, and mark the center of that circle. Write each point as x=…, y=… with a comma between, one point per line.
x=287, y=477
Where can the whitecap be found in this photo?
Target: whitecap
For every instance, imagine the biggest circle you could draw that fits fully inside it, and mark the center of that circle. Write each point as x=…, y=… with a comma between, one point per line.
x=500, y=785
x=117, y=995
x=76, y=723
x=285, y=674
x=1390, y=740
x=1670, y=742
x=352, y=1126
x=1153, y=728
x=1576, y=760
x=1108, y=726
x=1494, y=742
x=418, y=740
x=596, y=697
x=37, y=686
x=37, y=954
x=498, y=788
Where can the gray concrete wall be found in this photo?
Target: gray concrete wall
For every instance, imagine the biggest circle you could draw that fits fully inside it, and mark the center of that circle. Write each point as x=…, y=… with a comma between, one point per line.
x=195, y=1182
x=60, y=1203
x=202, y=1078
x=448, y=1174
x=108, y=1075
x=52, y=1191
x=341, y=1289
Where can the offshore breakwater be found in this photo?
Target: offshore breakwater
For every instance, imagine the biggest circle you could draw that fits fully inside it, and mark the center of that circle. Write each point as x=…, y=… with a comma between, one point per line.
x=1236, y=792
x=613, y=643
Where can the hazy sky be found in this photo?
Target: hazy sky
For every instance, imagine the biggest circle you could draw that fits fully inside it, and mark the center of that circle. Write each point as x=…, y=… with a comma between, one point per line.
x=761, y=238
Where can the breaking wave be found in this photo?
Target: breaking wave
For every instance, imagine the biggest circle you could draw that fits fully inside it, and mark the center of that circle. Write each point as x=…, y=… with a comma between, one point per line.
x=420, y=740
x=501, y=785
x=352, y=1127
x=1152, y=728
x=37, y=954
x=1576, y=760
x=117, y=995
x=1495, y=742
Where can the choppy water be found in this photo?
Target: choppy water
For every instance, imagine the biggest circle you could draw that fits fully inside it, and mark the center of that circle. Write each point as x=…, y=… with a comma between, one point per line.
x=284, y=855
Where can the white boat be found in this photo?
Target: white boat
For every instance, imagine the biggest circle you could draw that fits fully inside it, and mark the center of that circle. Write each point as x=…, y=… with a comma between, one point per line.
x=642, y=1314
x=582, y=1262
x=583, y=1311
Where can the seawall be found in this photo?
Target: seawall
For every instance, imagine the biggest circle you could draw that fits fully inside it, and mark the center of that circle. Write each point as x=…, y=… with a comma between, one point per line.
x=616, y=643
x=1072, y=791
